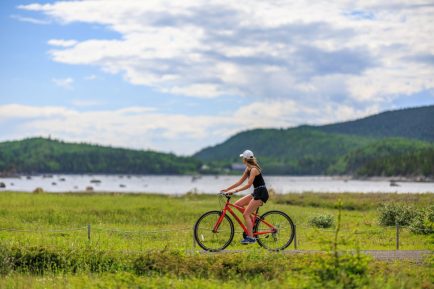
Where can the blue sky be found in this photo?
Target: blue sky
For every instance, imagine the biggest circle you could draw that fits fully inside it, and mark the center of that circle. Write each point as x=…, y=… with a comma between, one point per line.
x=177, y=76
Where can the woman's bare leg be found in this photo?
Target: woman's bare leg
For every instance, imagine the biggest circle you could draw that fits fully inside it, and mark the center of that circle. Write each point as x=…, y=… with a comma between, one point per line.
x=251, y=207
x=244, y=201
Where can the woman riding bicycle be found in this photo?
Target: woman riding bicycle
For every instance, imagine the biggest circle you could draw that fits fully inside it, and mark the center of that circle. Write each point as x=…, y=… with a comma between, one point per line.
x=253, y=201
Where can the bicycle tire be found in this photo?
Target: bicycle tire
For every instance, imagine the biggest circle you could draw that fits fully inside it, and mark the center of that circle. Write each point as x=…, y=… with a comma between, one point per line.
x=263, y=240
x=211, y=220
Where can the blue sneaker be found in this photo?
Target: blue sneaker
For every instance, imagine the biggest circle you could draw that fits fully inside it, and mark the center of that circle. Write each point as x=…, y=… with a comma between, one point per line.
x=248, y=240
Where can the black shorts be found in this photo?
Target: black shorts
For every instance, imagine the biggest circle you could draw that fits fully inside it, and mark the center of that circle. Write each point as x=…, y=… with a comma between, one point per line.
x=260, y=193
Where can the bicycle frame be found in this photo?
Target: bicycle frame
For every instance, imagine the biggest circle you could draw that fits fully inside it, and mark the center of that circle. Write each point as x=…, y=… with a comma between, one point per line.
x=254, y=216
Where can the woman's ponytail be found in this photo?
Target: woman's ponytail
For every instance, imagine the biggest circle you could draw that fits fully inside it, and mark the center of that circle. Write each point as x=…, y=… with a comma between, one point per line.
x=253, y=162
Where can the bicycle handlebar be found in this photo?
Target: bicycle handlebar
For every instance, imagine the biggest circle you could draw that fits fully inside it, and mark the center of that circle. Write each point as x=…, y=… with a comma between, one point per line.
x=228, y=196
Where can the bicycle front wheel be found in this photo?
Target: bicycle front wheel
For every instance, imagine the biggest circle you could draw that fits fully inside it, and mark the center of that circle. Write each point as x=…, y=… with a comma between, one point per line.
x=211, y=238
x=274, y=231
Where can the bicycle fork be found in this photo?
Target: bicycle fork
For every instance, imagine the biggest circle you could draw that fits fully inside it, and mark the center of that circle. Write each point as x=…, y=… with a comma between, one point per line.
x=219, y=221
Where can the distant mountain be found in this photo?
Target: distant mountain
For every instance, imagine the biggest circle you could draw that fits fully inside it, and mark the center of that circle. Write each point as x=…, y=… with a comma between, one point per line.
x=301, y=150
x=415, y=123
x=40, y=155
x=345, y=148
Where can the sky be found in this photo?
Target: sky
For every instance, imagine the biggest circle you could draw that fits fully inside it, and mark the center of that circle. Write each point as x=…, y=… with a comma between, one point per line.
x=178, y=76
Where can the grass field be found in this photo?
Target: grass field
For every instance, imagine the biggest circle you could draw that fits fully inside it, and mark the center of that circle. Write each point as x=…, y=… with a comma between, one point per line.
x=145, y=241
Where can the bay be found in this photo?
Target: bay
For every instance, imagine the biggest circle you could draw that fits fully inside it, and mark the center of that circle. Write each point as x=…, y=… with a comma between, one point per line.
x=206, y=184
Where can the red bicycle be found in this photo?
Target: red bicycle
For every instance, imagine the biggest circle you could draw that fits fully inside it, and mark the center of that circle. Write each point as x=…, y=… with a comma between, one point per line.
x=214, y=230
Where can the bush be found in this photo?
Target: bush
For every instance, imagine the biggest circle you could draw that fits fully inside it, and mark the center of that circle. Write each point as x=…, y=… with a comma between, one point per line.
x=423, y=223
x=342, y=270
x=322, y=221
x=392, y=213
x=6, y=264
x=221, y=266
x=41, y=260
x=38, y=190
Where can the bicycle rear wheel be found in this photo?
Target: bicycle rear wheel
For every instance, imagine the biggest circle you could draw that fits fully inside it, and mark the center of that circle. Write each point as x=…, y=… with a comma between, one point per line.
x=281, y=230
x=209, y=239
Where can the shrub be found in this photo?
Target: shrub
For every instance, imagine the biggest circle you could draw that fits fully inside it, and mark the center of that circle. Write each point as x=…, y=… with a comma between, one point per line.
x=343, y=270
x=423, y=223
x=38, y=260
x=6, y=264
x=322, y=221
x=221, y=266
x=392, y=213
x=42, y=260
x=38, y=190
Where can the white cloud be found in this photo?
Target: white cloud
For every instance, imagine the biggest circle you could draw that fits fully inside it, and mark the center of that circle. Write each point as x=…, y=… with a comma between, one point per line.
x=196, y=90
x=66, y=83
x=257, y=48
x=62, y=42
x=29, y=19
x=297, y=62
x=391, y=80
x=135, y=127
x=17, y=111
x=146, y=127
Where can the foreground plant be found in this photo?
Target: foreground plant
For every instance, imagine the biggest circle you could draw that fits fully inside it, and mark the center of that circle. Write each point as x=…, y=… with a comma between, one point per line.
x=340, y=269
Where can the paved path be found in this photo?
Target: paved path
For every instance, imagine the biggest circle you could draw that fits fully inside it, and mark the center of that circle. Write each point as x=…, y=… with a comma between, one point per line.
x=412, y=255
x=384, y=255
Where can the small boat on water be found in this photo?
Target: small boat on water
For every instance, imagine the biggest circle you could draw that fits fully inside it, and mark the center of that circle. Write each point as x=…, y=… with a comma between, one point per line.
x=394, y=184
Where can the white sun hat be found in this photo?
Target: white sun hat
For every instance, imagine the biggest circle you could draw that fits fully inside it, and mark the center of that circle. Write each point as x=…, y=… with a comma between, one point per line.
x=247, y=154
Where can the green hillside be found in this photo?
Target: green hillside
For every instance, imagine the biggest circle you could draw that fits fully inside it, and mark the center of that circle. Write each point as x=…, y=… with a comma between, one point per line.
x=388, y=157
x=310, y=152
x=415, y=123
x=415, y=163
x=286, y=144
x=388, y=143
x=39, y=155
x=301, y=150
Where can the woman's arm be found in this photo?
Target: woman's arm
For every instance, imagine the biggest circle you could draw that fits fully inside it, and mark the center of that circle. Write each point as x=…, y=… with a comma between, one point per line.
x=253, y=173
x=240, y=181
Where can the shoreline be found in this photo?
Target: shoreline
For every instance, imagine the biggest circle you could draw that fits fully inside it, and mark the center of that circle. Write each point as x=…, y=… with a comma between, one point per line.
x=199, y=194
x=415, y=179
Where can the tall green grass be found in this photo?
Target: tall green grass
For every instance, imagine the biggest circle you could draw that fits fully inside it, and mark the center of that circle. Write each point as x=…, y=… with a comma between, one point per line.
x=145, y=241
x=133, y=222
x=253, y=269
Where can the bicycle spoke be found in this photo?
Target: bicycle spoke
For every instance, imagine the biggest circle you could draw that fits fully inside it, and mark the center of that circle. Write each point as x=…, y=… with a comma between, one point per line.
x=282, y=237
x=212, y=240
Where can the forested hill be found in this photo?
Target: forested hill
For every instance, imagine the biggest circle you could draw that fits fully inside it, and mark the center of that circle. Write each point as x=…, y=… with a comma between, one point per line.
x=301, y=150
x=361, y=147
x=306, y=151
x=40, y=155
x=415, y=123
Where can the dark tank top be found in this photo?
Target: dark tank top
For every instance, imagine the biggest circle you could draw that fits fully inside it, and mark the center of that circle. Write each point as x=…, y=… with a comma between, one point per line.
x=258, y=181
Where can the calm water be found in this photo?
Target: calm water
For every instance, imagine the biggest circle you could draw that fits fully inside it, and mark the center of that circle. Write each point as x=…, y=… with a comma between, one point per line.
x=203, y=184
